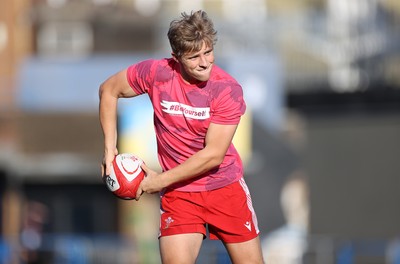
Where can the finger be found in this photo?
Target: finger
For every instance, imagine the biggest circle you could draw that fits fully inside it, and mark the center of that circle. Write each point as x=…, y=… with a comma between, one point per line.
x=144, y=168
x=108, y=168
x=139, y=193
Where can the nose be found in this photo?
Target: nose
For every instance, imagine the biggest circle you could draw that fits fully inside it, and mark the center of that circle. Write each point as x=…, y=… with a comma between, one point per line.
x=203, y=61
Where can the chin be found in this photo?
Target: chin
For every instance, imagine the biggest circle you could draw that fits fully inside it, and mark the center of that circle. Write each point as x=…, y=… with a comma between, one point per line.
x=203, y=78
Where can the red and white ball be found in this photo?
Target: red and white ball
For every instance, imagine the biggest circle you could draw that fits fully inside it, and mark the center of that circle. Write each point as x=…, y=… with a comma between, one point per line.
x=126, y=175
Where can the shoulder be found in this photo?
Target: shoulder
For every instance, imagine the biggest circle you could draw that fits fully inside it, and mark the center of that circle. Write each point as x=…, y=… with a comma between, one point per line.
x=164, y=69
x=222, y=77
x=220, y=74
x=151, y=67
x=223, y=80
x=160, y=65
x=153, y=63
x=167, y=64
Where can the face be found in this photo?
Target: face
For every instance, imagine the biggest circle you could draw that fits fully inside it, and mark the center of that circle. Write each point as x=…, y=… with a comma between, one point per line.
x=196, y=66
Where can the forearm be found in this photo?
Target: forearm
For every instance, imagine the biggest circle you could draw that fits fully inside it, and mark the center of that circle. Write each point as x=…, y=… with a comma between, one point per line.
x=196, y=165
x=108, y=120
x=110, y=91
x=218, y=139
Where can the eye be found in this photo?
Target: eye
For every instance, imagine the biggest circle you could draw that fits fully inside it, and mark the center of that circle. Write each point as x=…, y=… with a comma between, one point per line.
x=193, y=58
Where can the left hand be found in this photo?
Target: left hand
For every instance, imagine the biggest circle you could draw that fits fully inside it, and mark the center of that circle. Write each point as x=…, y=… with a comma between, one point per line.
x=151, y=183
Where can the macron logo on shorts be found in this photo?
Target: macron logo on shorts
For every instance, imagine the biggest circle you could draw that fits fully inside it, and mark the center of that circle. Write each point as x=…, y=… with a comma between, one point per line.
x=248, y=225
x=176, y=108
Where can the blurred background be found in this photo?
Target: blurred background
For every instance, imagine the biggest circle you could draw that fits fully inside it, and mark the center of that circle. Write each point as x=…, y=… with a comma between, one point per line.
x=320, y=139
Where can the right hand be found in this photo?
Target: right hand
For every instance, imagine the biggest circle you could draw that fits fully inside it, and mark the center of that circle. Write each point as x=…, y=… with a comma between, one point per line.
x=108, y=158
x=151, y=183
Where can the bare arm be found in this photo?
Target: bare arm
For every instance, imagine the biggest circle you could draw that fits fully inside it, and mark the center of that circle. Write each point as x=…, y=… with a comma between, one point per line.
x=218, y=139
x=110, y=91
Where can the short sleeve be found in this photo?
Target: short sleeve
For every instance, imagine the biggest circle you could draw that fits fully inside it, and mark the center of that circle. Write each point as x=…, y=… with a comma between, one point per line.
x=140, y=76
x=229, y=105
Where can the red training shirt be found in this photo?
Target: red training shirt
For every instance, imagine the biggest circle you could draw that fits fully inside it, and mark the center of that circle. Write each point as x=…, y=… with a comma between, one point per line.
x=182, y=115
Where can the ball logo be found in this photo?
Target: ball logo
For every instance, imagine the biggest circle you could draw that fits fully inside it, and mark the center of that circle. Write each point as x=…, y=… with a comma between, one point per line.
x=129, y=166
x=112, y=184
x=125, y=177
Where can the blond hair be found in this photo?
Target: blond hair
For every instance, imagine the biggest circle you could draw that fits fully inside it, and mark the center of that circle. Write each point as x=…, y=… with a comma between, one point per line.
x=189, y=33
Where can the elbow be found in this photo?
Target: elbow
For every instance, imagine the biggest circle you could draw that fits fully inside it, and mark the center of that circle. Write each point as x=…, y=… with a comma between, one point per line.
x=107, y=91
x=216, y=160
x=101, y=89
x=213, y=156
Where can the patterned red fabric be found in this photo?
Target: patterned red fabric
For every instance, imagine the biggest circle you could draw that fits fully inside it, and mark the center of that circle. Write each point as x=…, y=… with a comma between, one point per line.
x=183, y=113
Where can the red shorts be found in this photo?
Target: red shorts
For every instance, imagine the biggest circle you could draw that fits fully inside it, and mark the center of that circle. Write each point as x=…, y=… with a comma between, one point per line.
x=227, y=212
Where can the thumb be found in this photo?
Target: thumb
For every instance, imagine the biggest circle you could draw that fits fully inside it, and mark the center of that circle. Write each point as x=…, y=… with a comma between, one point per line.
x=145, y=168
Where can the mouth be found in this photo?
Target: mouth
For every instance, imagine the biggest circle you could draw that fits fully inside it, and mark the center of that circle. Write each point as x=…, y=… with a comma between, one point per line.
x=206, y=69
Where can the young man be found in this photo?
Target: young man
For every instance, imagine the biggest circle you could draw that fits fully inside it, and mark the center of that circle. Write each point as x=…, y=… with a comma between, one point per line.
x=197, y=108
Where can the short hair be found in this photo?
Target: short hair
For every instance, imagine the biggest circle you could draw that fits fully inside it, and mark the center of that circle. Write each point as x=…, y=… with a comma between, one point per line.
x=188, y=33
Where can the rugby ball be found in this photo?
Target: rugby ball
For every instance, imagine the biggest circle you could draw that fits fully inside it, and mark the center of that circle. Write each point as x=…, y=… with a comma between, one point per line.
x=125, y=177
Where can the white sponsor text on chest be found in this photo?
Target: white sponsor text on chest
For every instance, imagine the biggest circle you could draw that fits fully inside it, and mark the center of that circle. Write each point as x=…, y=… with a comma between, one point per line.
x=177, y=108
